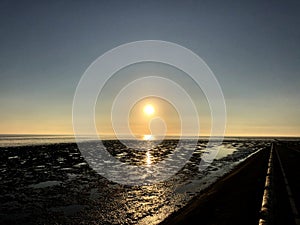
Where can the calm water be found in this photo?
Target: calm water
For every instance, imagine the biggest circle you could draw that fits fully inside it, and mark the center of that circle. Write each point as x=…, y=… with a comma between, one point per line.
x=45, y=179
x=25, y=140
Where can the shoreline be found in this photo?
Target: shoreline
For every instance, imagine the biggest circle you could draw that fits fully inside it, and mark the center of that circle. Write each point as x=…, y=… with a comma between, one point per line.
x=235, y=198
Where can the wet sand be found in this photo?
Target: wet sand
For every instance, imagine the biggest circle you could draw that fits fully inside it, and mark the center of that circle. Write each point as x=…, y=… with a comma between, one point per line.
x=52, y=184
x=234, y=199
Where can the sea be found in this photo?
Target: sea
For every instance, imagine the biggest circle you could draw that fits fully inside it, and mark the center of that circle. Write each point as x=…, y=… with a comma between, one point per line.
x=45, y=179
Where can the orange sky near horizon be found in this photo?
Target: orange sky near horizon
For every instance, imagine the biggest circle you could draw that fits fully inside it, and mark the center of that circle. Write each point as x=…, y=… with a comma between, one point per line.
x=63, y=125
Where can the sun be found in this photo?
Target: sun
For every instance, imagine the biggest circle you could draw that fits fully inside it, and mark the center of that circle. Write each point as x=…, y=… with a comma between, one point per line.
x=149, y=110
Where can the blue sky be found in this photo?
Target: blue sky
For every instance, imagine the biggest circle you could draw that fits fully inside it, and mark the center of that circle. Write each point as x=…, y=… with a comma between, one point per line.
x=253, y=48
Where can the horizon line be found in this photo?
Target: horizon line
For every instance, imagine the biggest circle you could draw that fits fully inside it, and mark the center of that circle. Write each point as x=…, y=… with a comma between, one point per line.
x=109, y=135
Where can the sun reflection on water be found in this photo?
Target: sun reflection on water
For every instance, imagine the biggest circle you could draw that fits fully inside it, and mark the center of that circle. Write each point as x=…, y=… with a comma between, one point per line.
x=148, y=137
x=148, y=158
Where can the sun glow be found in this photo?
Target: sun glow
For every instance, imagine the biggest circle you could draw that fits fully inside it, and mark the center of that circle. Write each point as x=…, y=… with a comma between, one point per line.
x=148, y=137
x=149, y=110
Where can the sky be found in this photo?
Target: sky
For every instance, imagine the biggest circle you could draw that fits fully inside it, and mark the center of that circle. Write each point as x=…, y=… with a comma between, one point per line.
x=252, y=47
